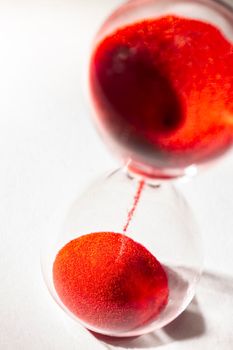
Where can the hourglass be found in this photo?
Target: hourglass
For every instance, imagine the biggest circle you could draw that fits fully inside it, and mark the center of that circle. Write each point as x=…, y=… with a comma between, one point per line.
x=128, y=256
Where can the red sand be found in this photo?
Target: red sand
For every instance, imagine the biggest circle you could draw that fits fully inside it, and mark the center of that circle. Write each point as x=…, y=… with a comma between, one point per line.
x=110, y=282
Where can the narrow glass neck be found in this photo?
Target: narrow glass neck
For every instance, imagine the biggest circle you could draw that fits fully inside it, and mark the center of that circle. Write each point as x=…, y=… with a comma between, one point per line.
x=156, y=175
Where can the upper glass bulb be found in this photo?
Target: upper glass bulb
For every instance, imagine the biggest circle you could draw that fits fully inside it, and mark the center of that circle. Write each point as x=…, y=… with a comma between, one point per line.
x=161, y=83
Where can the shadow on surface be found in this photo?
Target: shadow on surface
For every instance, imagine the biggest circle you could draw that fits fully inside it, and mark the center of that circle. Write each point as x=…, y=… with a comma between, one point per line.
x=190, y=324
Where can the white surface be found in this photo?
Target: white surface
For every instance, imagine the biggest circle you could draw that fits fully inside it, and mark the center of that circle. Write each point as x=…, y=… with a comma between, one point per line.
x=49, y=151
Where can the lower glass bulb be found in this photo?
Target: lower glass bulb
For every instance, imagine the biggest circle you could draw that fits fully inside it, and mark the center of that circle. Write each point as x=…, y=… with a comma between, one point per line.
x=126, y=258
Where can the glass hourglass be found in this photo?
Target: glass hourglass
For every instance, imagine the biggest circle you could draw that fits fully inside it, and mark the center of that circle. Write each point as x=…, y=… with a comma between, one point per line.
x=127, y=257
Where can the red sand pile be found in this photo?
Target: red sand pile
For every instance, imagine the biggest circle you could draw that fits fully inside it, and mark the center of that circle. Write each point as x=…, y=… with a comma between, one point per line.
x=110, y=282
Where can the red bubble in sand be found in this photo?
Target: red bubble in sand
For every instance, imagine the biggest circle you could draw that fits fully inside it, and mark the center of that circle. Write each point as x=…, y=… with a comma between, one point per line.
x=110, y=282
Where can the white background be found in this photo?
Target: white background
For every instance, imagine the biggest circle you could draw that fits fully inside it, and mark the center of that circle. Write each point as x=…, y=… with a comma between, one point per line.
x=49, y=151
